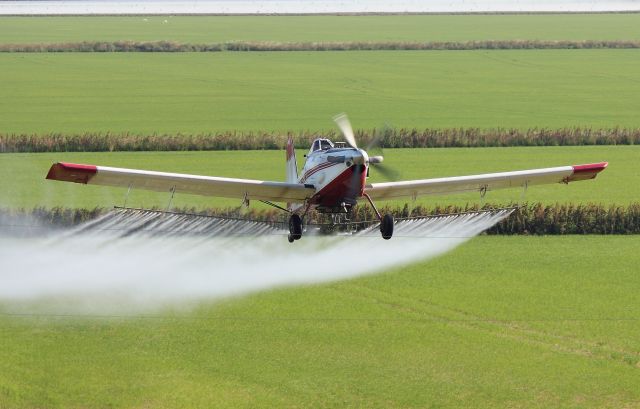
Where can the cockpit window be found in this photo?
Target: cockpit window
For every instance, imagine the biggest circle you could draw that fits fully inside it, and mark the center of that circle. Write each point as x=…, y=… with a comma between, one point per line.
x=321, y=145
x=325, y=144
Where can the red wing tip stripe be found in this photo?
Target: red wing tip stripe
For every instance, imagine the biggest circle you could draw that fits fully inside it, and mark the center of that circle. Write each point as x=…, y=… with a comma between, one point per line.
x=591, y=167
x=71, y=172
x=588, y=171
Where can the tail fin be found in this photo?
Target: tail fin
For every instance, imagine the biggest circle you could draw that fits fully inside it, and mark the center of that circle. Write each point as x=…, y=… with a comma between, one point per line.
x=292, y=171
x=292, y=165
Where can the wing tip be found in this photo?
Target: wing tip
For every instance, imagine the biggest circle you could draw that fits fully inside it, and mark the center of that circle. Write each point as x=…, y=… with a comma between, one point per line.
x=587, y=171
x=71, y=172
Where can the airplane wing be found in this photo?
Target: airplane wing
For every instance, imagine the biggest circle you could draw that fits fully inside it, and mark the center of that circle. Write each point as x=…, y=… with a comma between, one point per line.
x=485, y=182
x=181, y=183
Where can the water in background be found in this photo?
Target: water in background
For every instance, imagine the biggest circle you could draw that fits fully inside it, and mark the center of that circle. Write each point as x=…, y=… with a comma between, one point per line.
x=309, y=6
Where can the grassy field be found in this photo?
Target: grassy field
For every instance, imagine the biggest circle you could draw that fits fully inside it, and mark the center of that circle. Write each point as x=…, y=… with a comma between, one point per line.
x=499, y=322
x=211, y=29
x=143, y=93
x=618, y=184
x=542, y=322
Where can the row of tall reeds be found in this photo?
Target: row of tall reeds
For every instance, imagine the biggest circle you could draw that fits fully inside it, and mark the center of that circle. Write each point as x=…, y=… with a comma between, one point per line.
x=527, y=219
x=388, y=138
x=173, y=46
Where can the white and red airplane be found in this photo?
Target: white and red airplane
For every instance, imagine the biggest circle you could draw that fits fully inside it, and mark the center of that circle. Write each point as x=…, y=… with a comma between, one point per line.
x=334, y=179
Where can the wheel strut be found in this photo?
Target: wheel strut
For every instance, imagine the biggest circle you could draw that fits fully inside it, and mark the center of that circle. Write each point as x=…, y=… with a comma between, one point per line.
x=375, y=209
x=386, y=222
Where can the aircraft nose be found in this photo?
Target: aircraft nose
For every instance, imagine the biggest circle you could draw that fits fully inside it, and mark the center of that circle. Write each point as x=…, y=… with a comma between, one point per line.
x=360, y=157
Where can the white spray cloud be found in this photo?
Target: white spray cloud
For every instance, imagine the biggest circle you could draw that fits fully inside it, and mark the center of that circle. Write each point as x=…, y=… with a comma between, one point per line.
x=114, y=264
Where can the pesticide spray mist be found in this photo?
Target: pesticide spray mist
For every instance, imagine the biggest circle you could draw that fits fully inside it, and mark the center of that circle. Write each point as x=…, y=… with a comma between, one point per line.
x=142, y=261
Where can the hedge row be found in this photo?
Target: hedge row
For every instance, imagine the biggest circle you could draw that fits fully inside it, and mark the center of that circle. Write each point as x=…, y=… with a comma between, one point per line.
x=389, y=137
x=534, y=218
x=172, y=46
x=528, y=219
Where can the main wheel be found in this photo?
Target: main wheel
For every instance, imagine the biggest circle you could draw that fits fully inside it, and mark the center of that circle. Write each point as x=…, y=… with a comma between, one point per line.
x=386, y=226
x=295, y=227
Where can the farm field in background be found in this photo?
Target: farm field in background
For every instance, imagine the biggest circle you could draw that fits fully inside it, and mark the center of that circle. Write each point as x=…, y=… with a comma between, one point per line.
x=541, y=322
x=213, y=29
x=500, y=321
x=28, y=188
x=277, y=91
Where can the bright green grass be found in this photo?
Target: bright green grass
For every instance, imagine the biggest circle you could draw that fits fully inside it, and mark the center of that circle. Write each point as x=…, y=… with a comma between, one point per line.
x=523, y=322
x=209, y=29
x=188, y=92
x=619, y=184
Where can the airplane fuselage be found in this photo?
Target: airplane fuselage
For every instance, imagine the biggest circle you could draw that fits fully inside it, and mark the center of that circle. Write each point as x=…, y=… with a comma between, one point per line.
x=338, y=175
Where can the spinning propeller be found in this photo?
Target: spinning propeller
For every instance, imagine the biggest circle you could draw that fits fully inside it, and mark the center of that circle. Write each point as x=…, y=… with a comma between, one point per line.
x=375, y=161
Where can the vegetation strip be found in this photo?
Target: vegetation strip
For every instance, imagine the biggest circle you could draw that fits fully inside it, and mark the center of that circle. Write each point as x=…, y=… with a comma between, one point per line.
x=388, y=138
x=172, y=46
x=527, y=219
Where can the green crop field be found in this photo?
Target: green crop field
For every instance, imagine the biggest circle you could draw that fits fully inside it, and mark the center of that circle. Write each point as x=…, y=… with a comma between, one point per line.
x=210, y=29
x=499, y=322
x=618, y=184
x=187, y=92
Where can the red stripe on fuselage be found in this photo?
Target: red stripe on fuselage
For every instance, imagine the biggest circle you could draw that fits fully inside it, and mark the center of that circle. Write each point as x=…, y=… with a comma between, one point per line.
x=316, y=169
x=72, y=172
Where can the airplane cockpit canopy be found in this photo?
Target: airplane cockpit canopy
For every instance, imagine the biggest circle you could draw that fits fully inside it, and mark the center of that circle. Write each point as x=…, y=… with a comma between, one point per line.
x=320, y=144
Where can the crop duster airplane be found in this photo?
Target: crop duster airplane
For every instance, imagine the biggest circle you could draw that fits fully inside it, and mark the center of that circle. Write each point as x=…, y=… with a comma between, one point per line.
x=333, y=180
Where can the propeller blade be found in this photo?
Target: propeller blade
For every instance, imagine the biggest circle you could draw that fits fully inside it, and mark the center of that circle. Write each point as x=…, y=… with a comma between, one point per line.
x=378, y=137
x=386, y=172
x=345, y=127
x=375, y=142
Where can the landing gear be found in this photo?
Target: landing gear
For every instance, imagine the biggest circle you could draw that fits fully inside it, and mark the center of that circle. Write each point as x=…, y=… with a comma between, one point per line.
x=386, y=226
x=386, y=222
x=295, y=228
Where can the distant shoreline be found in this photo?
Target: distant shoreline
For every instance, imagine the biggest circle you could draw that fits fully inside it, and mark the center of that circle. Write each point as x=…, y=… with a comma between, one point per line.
x=449, y=13
x=310, y=7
